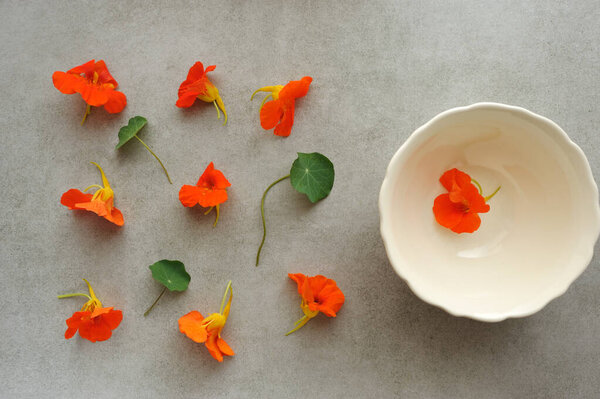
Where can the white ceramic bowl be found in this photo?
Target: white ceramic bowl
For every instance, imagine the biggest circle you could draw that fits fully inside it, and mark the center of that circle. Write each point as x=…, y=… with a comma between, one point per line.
x=535, y=241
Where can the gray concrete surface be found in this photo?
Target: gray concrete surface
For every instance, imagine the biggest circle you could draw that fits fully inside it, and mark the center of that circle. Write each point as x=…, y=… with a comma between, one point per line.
x=380, y=69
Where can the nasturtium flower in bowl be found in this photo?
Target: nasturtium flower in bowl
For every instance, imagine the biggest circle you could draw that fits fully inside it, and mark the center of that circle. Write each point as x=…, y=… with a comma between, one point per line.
x=489, y=211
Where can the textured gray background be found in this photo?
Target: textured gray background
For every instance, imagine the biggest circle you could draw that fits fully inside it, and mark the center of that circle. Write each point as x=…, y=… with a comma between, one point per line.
x=380, y=69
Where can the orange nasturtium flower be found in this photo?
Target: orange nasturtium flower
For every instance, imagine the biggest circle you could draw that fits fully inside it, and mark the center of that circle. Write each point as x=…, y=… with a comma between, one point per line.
x=279, y=113
x=210, y=191
x=198, y=86
x=101, y=202
x=94, y=322
x=458, y=209
x=95, y=84
x=319, y=294
x=208, y=330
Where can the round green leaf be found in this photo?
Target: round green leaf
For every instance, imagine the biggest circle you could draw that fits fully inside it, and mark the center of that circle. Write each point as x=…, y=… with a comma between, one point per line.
x=126, y=133
x=171, y=274
x=312, y=174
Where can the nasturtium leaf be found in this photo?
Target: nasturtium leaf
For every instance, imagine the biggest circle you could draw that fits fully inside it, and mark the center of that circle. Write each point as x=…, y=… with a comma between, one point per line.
x=126, y=133
x=312, y=174
x=171, y=274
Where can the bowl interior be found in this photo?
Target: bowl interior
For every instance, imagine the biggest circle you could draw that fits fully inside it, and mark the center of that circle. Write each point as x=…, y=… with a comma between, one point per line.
x=530, y=245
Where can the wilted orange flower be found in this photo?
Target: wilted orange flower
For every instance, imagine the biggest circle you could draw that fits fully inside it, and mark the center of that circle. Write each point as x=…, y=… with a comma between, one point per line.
x=210, y=191
x=93, y=322
x=458, y=209
x=101, y=202
x=95, y=84
x=279, y=113
x=198, y=86
x=208, y=330
x=319, y=294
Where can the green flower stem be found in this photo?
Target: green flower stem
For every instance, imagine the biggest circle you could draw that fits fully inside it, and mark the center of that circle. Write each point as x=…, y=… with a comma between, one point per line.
x=225, y=296
x=478, y=186
x=489, y=197
x=152, y=306
x=88, y=109
x=157, y=158
x=299, y=324
x=72, y=295
x=262, y=214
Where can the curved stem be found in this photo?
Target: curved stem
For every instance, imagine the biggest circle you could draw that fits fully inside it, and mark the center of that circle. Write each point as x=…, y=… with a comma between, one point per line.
x=152, y=306
x=93, y=186
x=262, y=214
x=155, y=156
x=72, y=295
x=225, y=296
x=489, y=197
x=478, y=186
x=217, y=108
x=299, y=324
x=217, y=219
x=88, y=109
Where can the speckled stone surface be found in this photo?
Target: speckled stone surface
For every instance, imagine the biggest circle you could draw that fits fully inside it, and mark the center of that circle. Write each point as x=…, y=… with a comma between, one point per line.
x=381, y=69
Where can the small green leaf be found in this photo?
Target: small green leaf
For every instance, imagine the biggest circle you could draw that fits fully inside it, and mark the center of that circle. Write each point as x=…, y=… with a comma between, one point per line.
x=171, y=274
x=126, y=133
x=313, y=175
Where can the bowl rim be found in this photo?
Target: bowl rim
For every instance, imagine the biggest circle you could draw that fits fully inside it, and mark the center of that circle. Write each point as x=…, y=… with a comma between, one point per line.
x=580, y=163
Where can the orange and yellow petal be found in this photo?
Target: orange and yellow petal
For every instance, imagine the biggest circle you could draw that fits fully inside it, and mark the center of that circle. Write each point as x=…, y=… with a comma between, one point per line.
x=469, y=223
x=224, y=347
x=115, y=216
x=191, y=325
x=213, y=349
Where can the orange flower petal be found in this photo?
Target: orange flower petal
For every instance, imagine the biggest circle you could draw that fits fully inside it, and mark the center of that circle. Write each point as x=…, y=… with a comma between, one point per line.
x=189, y=195
x=212, y=197
x=95, y=330
x=284, y=128
x=115, y=217
x=468, y=224
x=446, y=212
x=97, y=206
x=476, y=201
x=213, y=349
x=94, y=94
x=196, y=72
x=295, y=88
x=73, y=197
x=113, y=318
x=86, y=68
x=454, y=175
x=270, y=114
x=104, y=77
x=187, y=99
x=224, y=347
x=213, y=178
x=67, y=83
x=191, y=325
x=116, y=102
